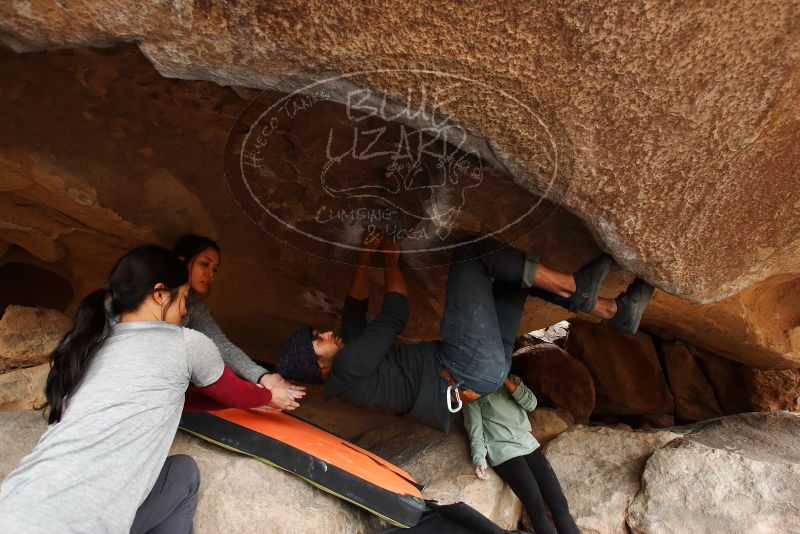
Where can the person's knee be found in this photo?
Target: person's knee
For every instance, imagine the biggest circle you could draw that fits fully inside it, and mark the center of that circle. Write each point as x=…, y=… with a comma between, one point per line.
x=187, y=469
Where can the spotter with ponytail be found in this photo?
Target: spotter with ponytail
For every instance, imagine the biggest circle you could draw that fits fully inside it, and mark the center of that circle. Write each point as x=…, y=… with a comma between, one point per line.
x=115, y=393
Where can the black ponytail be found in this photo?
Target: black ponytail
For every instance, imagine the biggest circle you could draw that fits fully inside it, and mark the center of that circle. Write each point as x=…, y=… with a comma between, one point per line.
x=71, y=356
x=132, y=279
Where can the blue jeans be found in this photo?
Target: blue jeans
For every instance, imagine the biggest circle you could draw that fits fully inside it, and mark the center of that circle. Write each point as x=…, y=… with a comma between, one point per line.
x=484, y=302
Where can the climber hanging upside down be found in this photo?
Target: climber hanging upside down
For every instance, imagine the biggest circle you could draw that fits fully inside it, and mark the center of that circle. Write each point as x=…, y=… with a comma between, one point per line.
x=487, y=287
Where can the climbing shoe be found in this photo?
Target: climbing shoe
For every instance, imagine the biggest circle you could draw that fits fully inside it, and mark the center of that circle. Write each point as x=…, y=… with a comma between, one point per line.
x=630, y=306
x=587, y=283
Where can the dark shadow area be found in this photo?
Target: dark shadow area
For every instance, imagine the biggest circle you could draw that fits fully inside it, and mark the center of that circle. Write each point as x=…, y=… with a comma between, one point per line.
x=24, y=284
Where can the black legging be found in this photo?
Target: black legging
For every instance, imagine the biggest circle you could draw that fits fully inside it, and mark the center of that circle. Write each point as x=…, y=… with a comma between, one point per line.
x=535, y=483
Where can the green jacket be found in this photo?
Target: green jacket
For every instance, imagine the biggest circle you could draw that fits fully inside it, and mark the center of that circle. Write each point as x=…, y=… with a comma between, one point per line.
x=498, y=425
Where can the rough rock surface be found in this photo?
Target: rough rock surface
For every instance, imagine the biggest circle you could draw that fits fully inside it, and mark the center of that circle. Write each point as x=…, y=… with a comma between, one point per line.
x=23, y=389
x=726, y=475
x=742, y=388
x=127, y=112
x=736, y=474
x=557, y=379
x=548, y=424
x=694, y=396
x=627, y=374
x=760, y=326
x=238, y=494
x=338, y=418
x=708, y=56
x=442, y=463
x=21, y=430
x=699, y=98
x=29, y=335
x=600, y=471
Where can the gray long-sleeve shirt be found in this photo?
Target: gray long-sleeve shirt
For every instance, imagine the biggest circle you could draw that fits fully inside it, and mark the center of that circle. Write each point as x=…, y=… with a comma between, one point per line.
x=91, y=471
x=198, y=317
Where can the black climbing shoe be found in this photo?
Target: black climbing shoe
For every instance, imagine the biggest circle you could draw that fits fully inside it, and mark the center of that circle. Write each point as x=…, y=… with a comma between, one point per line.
x=587, y=283
x=631, y=305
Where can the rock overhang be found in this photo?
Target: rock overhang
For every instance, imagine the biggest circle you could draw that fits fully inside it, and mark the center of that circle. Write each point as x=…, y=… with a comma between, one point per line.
x=673, y=126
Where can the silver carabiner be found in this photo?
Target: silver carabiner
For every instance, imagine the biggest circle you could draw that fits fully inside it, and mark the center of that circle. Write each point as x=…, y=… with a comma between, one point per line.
x=450, y=399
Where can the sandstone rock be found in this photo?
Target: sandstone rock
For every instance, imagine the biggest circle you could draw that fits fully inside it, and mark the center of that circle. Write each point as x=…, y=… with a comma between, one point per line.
x=29, y=335
x=23, y=389
x=736, y=474
x=627, y=374
x=548, y=423
x=555, y=334
x=726, y=475
x=27, y=281
x=756, y=327
x=694, y=396
x=621, y=192
x=649, y=207
x=20, y=430
x=238, y=493
x=600, y=470
x=557, y=379
x=442, y=463
x=338, y=418
x=654, y=420
x=741, y=388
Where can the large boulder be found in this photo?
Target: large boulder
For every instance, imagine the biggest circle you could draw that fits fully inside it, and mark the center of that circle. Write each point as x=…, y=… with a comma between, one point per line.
x=658, y=131
x=743, y=388
x=600, y=471
x=556, y=378
x=442, y=463
x=239, y=495
x=736, y=474
x=633, y=196
x=694, y=396
x=344, y=420
x=758, y=326
x=627, y=375
x=548, y=423
x=29, y=335
x=726, y=475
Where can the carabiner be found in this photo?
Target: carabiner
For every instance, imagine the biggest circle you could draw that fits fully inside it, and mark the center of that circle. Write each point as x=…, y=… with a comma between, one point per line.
x=450, y=399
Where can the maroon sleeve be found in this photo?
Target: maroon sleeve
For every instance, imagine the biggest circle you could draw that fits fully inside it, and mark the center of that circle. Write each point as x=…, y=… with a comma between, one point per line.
x=229, y=391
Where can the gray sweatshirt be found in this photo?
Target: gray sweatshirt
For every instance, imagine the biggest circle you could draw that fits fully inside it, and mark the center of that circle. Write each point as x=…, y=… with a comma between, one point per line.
x=91, y=471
